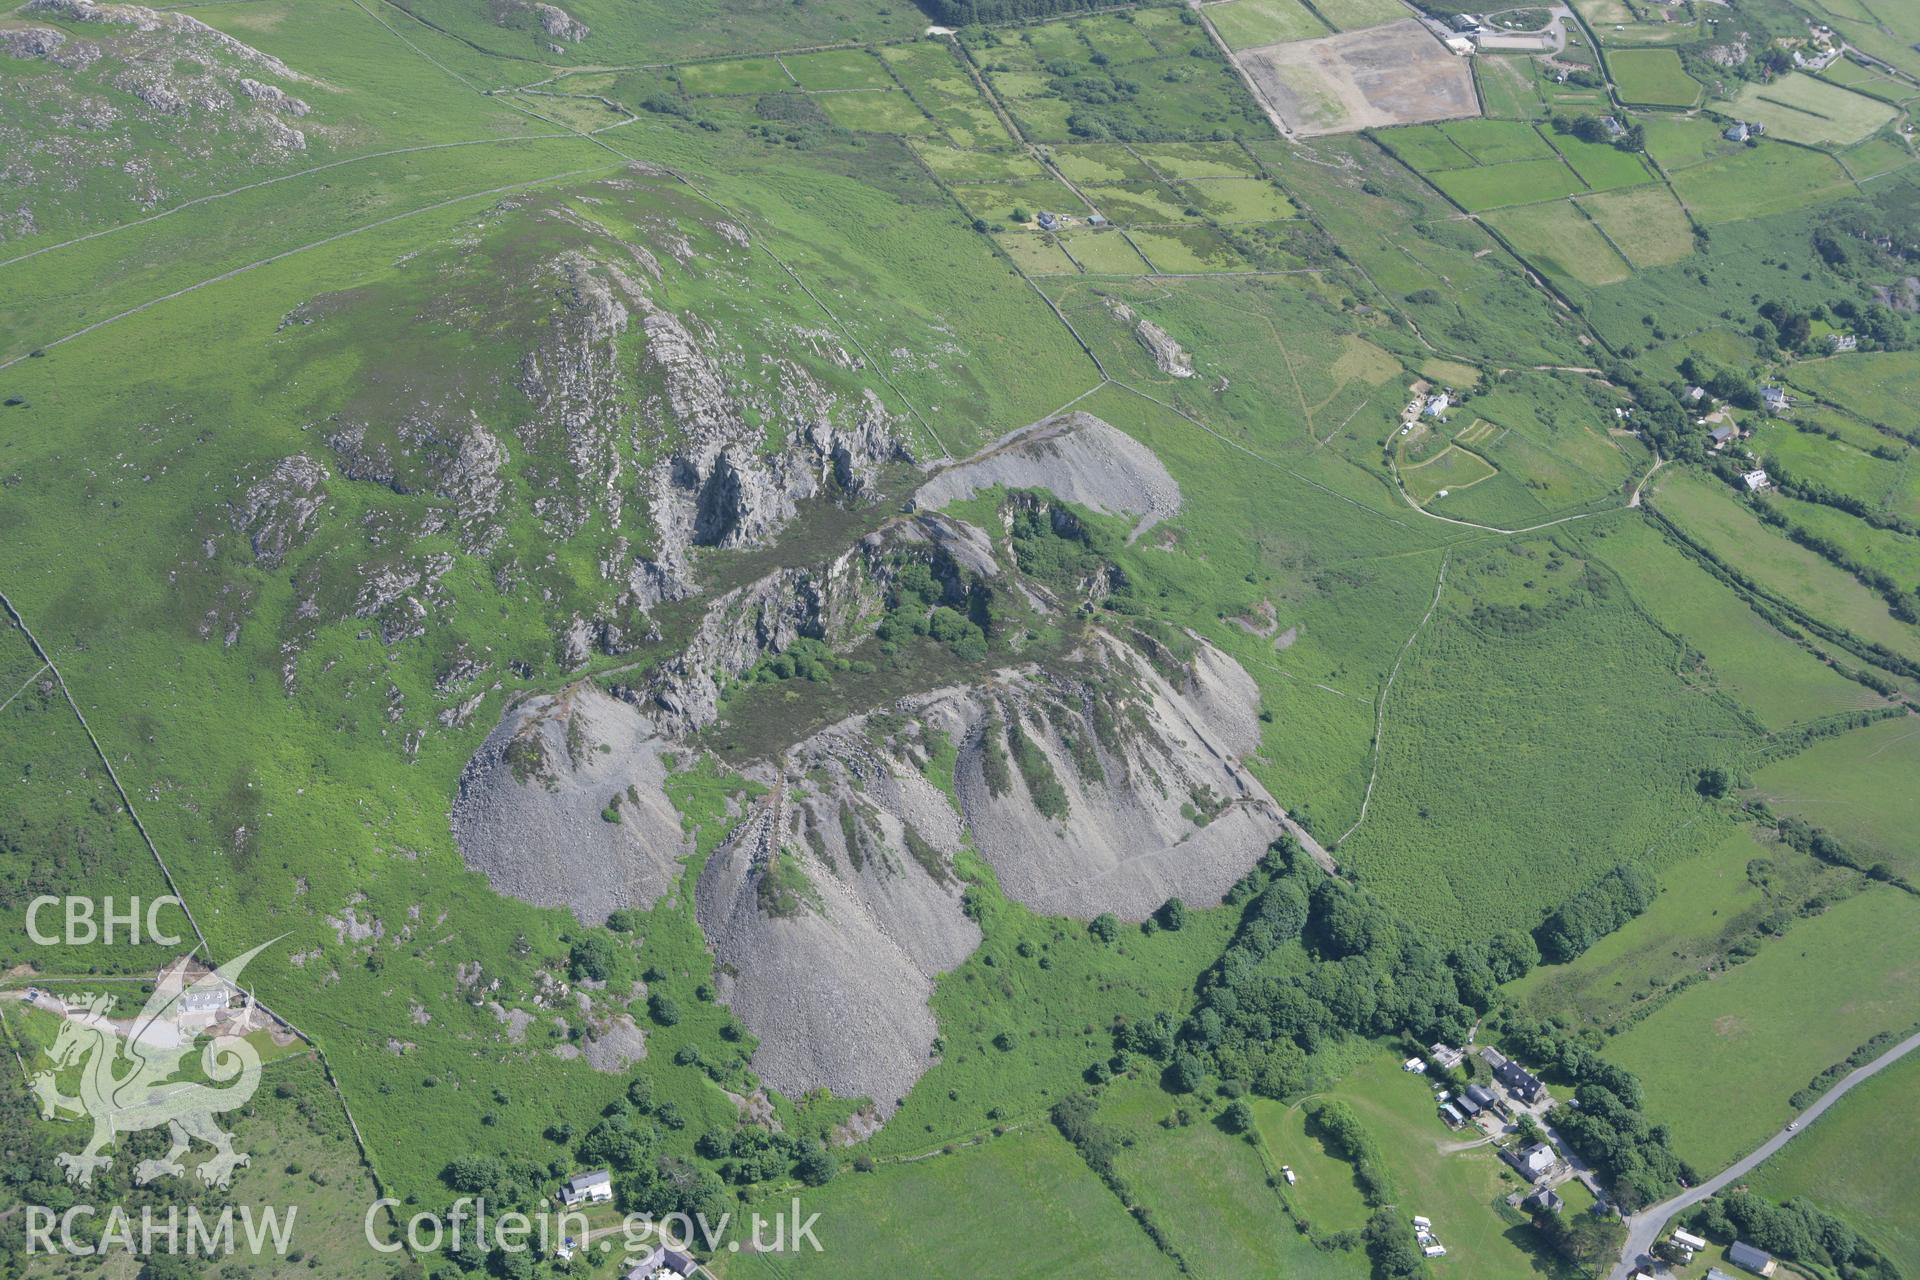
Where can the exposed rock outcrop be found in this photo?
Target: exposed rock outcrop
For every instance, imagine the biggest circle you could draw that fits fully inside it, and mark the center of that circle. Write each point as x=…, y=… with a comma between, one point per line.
x=839, y=602
x=560, y=24
x=277, y=512
x=1168, y=356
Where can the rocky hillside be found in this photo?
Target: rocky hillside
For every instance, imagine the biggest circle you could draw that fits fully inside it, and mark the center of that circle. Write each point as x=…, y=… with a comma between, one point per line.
x=92, y=87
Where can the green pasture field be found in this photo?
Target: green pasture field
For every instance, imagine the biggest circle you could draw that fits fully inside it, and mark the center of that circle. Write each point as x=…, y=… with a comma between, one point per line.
x=1502, y=501
x=925, y=1218
x=1104, y=252
x=877, y=111
x=1138, y=204
x=1037, y=117
x=1563, y=241
x=1497, y=141
x=1849, y=74
x=1601, y=166
x=969, y=167
x=1190, y=248
x=1325, y=1193
x=1846, y=1164
x=1437, y=845
x=1238, y=200
x=1756, y=181
x=1781, y=682
x=1424, y=261
x=1177, y=160
x=1653, y=32
x=1250, y=24
x=1509, y=87
x=1800, y=108
x=740, y=75
x=1652, y=77
x=996, y=202
x=1646, y=224
x=1877, y=385
x=1208, y=1189
x=1451, y=470
x=1605, y=12
x=837, y=69
x=1463, y=1192
x=1103, y=163
x=1036, y=252
x=1351, y=15
x=1883, y=550
x=1844, y=465
x=937, y=80
x=1117, y=39
x=1676, y=142
x=1450, y=373
x=1720, y=1061
x=1874, y=158
x=1710, y=901
x=1858, y=786
x=1499, y=186
x=1425, y=147
x=1713, y=516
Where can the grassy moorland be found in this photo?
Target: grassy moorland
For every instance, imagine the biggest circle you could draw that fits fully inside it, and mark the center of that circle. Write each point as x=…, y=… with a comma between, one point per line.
x=1466, y=840
x=841, y=216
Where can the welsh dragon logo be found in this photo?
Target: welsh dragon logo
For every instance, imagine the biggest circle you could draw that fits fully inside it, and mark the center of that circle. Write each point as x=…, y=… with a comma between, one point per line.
x=127, y=1079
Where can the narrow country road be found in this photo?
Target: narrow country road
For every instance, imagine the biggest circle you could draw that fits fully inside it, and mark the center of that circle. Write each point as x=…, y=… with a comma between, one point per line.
x=1644, y=1227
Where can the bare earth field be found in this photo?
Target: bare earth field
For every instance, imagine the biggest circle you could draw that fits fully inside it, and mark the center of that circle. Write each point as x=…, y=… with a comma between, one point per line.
x=1395, y=74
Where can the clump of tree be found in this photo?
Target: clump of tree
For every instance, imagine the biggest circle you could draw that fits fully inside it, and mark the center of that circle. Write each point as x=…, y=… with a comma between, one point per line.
x=1589, y=1241
x=1595, y=912
x=1634, y=1156
x=1392, y=1249
x=1798, y=1231
x=1340, y=1129
x=1629, y=137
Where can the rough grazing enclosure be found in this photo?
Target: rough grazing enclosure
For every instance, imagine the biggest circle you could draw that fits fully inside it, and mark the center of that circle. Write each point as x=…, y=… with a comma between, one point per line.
x=1395, y=74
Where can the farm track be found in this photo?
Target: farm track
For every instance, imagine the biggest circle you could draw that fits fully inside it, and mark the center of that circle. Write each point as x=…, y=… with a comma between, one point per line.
x=1380, y=710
